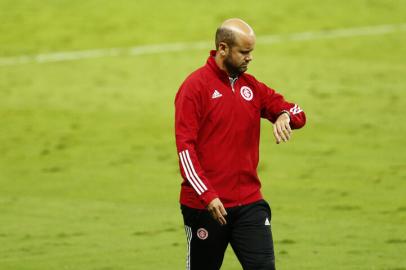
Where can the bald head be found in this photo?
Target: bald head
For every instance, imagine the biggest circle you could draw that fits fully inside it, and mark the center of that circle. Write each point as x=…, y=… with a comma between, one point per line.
x=235, y=41
x=231, y=30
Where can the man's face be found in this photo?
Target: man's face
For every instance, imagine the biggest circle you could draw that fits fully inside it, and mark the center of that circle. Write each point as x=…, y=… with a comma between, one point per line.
x=239, y=56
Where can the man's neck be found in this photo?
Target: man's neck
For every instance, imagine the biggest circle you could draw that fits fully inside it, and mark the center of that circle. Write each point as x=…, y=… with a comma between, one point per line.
x=220, y=63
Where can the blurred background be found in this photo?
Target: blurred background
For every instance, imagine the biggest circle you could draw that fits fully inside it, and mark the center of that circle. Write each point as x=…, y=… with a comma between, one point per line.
x=89, y=176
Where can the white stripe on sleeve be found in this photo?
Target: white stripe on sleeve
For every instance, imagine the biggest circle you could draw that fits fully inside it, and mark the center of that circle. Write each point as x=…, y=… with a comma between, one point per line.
x=194, y=171
x=189, y=175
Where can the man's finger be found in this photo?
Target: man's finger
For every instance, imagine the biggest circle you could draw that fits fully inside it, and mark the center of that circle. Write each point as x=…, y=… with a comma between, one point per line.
x=220, y=217
x=281, y=133
x=223, y=210
x=276, y=135
x=286, y=131
x=287, y=125
x=222, y=220
x=212, y=213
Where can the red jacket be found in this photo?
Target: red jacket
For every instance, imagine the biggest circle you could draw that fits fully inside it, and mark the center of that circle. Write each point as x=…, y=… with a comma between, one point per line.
x=217, y=128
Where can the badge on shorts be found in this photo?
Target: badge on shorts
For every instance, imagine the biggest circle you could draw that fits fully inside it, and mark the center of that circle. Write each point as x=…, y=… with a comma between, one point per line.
x=267, y=223
x=202, y=233
x=246, y=93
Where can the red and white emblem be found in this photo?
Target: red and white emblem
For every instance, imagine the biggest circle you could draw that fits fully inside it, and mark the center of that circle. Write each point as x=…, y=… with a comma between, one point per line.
x=246, y=93
x=202, y=233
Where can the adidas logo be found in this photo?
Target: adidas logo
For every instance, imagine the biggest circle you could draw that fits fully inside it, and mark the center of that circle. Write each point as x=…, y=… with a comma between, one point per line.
x=267, y=223
x=216, y=94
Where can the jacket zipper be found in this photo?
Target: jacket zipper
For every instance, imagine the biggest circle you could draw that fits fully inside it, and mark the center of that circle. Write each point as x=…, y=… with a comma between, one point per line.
x=232, y=82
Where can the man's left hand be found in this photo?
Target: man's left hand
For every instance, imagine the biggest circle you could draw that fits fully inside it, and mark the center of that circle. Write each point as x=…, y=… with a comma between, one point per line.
x=281, y=128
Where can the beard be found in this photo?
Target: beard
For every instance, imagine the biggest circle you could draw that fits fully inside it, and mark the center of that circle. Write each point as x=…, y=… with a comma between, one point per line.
x=233, y=69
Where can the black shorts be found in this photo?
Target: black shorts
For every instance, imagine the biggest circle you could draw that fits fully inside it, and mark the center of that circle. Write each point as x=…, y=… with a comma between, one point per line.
x=248, y=230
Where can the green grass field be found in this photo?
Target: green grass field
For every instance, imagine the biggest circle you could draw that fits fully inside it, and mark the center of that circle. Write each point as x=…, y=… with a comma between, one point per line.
x=89, y=176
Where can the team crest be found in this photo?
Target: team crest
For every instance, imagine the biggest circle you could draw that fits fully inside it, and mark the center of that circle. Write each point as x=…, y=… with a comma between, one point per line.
x=202, y=234
x=246, y=93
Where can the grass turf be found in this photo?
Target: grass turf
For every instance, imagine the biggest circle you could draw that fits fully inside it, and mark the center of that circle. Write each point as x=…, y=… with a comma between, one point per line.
x=88, y=167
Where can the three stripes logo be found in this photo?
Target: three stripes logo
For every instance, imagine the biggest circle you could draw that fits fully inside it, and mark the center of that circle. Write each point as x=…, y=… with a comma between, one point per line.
x=216, y=94
x=190, y=172
x=295, y=109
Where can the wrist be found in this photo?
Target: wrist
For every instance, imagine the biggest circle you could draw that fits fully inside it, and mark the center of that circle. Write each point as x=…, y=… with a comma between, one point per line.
x=284, y=112
x=207, y=197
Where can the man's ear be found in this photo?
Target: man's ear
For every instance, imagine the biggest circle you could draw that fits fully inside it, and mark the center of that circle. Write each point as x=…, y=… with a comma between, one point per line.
x=223, y=49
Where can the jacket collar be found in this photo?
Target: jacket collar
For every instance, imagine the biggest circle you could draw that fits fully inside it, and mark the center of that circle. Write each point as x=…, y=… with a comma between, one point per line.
x=211, y=62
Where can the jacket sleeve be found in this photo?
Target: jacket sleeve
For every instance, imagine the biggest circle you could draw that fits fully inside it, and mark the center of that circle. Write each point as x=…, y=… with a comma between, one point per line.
x=273, y=104
x=188, y=115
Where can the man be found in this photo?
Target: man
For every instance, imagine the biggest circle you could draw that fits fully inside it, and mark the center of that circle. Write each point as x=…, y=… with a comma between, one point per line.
x=217, y=126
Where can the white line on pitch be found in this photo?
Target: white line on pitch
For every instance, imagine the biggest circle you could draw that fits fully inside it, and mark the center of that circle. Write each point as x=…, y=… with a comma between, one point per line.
x=187, y=46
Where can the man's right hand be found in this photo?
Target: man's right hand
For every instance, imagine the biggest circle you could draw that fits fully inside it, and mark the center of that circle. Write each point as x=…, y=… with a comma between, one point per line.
x=217, y=211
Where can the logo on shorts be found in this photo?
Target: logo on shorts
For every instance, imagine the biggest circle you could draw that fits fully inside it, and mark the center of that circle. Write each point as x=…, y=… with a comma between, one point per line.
x=246, y=93
x=202, y=233
x=267, y=223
